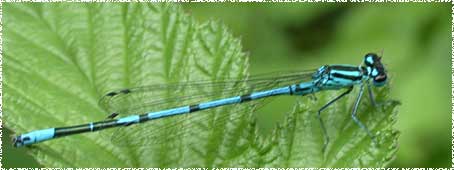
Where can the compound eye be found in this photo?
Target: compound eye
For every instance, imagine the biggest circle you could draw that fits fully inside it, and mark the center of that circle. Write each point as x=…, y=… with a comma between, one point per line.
x=380, y=78
x=370, y=59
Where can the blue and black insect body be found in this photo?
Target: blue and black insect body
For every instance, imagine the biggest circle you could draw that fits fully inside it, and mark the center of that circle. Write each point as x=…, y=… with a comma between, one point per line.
x=328, y=77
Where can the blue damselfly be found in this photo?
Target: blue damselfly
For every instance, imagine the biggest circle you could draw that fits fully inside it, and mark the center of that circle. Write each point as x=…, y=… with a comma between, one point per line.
x=125, y=102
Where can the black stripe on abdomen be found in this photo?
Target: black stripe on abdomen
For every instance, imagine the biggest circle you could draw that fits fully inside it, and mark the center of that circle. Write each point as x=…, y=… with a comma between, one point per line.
x=245, y=98
x=194, y=108
x=72, y=130
x=143, y=118
x=103, y=124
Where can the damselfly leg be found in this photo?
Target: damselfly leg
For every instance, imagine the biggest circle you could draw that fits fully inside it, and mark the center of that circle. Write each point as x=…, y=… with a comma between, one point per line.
x=322, y=125
x=356, y=120
x=371, y=95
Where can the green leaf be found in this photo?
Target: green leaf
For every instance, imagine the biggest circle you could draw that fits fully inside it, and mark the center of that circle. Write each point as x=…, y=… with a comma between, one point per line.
x=59, y=59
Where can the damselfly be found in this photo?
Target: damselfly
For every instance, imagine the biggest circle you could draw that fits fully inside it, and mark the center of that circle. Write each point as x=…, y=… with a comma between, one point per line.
x=124, y=102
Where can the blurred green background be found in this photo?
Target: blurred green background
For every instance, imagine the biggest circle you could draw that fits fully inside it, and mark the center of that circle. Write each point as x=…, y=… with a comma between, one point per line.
x=415, y=40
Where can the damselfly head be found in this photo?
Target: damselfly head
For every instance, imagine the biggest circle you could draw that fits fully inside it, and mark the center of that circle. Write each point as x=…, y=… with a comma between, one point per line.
x=375, y=68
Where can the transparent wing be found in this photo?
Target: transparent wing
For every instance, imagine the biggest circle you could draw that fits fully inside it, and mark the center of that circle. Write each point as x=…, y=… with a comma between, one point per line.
x=139, y=100
x=150, y=98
